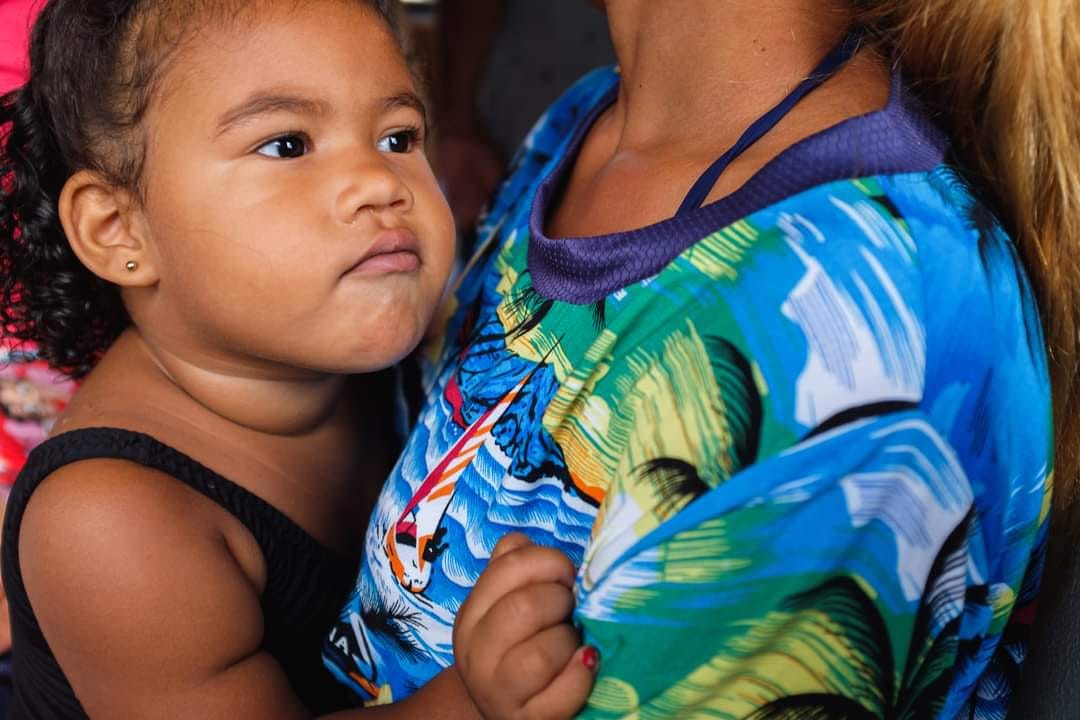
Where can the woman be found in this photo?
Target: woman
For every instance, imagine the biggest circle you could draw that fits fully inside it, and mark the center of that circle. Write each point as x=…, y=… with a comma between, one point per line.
x=755, y=340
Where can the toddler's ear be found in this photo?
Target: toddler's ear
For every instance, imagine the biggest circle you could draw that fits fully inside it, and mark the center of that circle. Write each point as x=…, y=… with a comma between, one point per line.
x=106, y=232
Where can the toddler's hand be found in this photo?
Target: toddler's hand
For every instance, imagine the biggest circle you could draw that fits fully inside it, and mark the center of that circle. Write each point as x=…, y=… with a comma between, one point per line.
x=515, y=649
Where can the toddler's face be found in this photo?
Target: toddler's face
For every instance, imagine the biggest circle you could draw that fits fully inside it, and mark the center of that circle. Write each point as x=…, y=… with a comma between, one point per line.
x=294, y=217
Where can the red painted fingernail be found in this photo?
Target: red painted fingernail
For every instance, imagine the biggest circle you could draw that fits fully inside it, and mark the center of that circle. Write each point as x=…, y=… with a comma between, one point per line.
x=590, y=658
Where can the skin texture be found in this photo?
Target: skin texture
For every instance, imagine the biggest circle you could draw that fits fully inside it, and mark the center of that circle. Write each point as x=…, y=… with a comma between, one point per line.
x=688, y=93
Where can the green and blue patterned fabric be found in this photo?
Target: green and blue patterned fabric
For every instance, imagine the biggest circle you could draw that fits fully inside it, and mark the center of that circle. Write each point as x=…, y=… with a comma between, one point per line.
x=797, y=441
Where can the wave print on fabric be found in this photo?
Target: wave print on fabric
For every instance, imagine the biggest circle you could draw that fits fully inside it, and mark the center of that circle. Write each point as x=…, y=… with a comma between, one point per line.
x=413, y=543
x=916, y=491
x=861, y=347
x=476, y=502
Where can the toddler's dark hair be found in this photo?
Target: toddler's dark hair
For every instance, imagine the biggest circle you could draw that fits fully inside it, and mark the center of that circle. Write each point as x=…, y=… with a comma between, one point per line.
x=93, y=68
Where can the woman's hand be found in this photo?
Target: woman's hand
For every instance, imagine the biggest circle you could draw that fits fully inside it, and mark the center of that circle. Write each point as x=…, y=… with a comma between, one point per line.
x=515, y=649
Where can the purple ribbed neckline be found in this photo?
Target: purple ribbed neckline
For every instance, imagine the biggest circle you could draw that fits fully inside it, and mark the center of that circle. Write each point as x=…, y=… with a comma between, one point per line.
x=899, y=138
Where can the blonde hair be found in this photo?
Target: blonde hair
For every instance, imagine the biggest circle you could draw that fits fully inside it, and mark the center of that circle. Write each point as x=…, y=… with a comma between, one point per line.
x=1001, y=75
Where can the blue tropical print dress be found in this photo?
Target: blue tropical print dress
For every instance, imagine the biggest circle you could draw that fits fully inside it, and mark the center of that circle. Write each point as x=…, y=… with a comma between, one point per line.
x=797, y=441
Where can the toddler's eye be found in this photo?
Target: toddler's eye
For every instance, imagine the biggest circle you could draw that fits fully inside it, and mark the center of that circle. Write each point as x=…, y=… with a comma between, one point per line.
x=286, y=146
x=401, y=141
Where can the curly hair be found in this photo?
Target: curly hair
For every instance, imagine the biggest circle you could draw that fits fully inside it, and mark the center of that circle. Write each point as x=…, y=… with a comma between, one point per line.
x=93, y=70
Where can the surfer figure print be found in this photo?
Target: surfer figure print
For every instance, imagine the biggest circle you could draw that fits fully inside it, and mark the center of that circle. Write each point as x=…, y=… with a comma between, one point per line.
x=415, y=542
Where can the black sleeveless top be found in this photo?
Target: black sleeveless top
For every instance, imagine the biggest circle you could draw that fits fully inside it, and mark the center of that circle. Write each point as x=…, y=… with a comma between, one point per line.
x=306, y=583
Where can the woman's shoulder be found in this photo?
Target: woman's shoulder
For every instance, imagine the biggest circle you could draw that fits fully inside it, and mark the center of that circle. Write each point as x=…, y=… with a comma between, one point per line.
x=976, y=294
x=909, y=287
x=927, y=236
x=881, y=288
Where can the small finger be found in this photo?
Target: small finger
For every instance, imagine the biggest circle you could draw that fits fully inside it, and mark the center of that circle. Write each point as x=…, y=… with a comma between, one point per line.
x=566, y=694
x=530, y=666
x=510, y=542
x=521, y=614
x=526, y=565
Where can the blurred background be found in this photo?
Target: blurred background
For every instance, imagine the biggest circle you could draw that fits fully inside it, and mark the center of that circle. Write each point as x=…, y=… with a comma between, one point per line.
x=539, y=48
x=491, y=67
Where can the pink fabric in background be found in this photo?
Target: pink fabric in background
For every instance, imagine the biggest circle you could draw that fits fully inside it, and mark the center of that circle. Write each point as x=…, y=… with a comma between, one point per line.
x=25, y=381
x=16, y=17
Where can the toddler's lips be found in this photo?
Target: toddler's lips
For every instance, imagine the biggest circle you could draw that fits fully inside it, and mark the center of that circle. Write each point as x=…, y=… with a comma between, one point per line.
x=394, y=251
x=393, y=262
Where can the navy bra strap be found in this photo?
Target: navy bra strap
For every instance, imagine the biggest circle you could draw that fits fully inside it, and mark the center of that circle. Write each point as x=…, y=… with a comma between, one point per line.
x=825, y=70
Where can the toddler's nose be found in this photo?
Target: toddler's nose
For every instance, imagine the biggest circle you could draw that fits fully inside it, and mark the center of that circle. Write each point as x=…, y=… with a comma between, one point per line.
x=372, y=186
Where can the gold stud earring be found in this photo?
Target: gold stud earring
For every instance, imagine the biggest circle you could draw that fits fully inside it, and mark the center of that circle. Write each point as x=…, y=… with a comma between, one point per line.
x=131, y=266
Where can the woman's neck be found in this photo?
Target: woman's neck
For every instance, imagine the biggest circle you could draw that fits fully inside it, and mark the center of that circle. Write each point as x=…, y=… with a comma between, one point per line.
x=703, y=68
